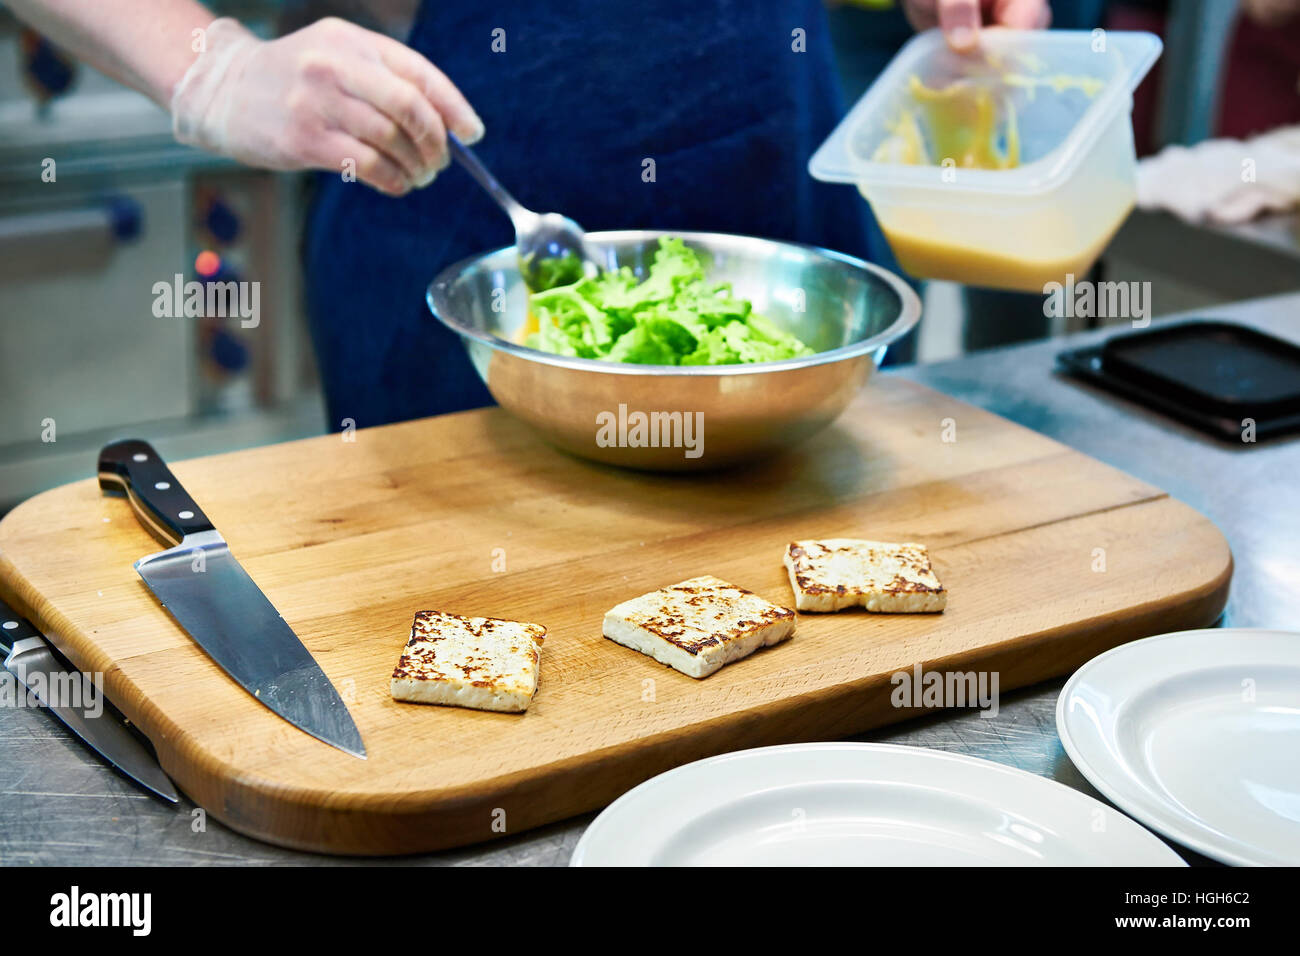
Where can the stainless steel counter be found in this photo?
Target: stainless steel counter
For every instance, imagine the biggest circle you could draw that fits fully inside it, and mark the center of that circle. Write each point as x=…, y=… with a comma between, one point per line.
x=60, y=806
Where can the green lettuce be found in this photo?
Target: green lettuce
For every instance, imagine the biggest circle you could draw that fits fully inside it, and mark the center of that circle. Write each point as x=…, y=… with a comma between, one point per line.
x=674, y=317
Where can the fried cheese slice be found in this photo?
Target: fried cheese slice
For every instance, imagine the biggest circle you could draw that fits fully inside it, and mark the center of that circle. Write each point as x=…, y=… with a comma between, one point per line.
x=834, y=573
x=485, y=663
x=698, y=625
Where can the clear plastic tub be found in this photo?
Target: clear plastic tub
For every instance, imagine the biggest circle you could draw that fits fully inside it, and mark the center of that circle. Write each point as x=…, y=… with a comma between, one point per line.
x=1061, y=99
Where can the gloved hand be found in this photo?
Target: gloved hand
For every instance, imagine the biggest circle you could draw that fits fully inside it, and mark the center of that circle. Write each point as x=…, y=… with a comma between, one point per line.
x=960, y=20
x=321, y=97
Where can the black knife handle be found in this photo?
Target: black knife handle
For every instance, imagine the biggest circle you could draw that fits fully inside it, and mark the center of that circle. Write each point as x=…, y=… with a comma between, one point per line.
x=14, y=628
x=159, y=501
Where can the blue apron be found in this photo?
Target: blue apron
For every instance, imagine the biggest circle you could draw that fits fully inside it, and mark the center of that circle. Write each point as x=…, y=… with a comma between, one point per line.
x=713, y=91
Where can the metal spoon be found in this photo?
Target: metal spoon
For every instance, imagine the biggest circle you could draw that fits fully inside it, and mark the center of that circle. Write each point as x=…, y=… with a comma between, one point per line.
x=552, y=248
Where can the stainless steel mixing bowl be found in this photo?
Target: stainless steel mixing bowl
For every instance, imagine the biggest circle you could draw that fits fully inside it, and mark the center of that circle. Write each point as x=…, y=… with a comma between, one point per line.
x=696, y=416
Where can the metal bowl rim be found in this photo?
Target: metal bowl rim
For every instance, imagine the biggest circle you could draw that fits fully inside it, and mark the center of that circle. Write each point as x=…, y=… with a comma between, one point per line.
x=908, y=316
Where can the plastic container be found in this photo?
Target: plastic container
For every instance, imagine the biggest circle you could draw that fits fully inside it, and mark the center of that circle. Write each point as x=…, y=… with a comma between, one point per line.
x=1062, y=97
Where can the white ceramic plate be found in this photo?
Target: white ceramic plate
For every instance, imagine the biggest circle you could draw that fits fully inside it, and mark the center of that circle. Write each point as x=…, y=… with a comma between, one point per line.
x=1196, y=734
x=860, y=804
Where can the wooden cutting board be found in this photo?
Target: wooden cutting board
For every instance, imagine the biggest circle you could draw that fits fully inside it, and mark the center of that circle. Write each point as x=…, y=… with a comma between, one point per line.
x=1050, y=557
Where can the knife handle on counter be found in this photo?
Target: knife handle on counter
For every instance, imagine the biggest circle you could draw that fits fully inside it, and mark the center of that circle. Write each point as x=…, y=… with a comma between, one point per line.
x=14, y=628
x=162, y=505
x=26, y=654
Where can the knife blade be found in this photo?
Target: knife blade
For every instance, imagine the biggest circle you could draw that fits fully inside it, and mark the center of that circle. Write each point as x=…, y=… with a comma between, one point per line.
x=77, y=701
x=222, y=609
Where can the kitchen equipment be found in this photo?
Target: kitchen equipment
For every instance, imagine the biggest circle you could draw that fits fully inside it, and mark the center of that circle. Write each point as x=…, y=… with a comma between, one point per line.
x=73, y=698
x=1196, y=734
x=855, y=804
x=551, y=249
x=100, y=208
x=846, y=309
x=1064, y=95
x=209, y=593
x=475, y=514
x=1231, y=381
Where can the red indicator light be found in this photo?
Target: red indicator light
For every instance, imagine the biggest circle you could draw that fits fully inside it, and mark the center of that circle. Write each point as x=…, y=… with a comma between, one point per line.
x=207, y=262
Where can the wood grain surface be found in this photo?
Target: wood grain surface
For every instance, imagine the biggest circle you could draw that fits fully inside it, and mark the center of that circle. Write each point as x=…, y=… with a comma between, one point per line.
x=1049, y=557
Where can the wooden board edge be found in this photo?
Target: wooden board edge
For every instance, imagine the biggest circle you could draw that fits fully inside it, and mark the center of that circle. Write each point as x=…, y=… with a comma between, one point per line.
x=425, y=822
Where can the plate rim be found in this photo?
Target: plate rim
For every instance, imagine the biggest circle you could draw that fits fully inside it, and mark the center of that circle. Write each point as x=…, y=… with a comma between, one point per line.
x=1169, y=827
x=583, y=846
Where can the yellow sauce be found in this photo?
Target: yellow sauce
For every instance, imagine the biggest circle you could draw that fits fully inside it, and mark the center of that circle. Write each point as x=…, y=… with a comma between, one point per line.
x=961, y=120
x=963, y=123
x=971, y=124
x=521, y=334
x=1048, y=252
x=1090, y=86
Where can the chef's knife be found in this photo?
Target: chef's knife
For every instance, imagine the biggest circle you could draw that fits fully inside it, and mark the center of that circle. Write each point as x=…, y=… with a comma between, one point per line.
x=71, y=696
x=199, y=581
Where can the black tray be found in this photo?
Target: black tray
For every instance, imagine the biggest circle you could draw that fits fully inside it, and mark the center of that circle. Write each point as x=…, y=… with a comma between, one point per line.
x=1210, y=374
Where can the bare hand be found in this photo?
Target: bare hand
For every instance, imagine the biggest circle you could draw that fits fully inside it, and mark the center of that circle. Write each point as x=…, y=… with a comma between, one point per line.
x=961, y=20
x=1270, y=13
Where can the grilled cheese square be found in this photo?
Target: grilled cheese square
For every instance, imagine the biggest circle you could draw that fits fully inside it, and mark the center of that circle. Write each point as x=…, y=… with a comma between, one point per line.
x=835, y=573
x=699, y=625
x=480, y=662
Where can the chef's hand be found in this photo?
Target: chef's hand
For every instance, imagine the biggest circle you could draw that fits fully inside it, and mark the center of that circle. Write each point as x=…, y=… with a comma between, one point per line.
x=330, y=96
x=1270, y=13
x=962, y=19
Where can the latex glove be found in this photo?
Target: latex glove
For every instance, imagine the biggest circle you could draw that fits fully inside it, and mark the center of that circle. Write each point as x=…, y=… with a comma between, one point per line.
x=325, y=95
x=1213, y=182
x=960, y=20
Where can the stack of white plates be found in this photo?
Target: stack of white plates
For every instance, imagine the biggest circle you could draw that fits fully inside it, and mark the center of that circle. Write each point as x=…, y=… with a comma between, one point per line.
x=855, y=804
x=1196, y=734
